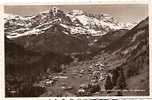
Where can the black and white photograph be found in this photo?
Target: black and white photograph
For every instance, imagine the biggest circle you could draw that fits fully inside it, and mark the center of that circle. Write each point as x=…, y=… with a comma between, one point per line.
x=76, y=50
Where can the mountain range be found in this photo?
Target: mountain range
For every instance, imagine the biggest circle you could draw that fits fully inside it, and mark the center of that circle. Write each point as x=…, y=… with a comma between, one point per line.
x=50, y=39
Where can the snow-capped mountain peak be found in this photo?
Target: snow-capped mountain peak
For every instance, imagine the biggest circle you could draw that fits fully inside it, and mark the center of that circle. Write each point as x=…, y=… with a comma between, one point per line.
x=75, y=21
x=77, y=12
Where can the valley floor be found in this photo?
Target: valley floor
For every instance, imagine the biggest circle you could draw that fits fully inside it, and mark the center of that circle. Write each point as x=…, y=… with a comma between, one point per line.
x=75, y=79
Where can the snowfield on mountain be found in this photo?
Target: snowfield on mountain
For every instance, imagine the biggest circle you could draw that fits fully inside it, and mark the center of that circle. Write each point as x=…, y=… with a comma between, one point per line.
x=76, y=21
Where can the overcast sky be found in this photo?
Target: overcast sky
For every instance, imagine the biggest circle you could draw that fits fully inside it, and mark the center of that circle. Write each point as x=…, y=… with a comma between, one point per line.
x=124, y=13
